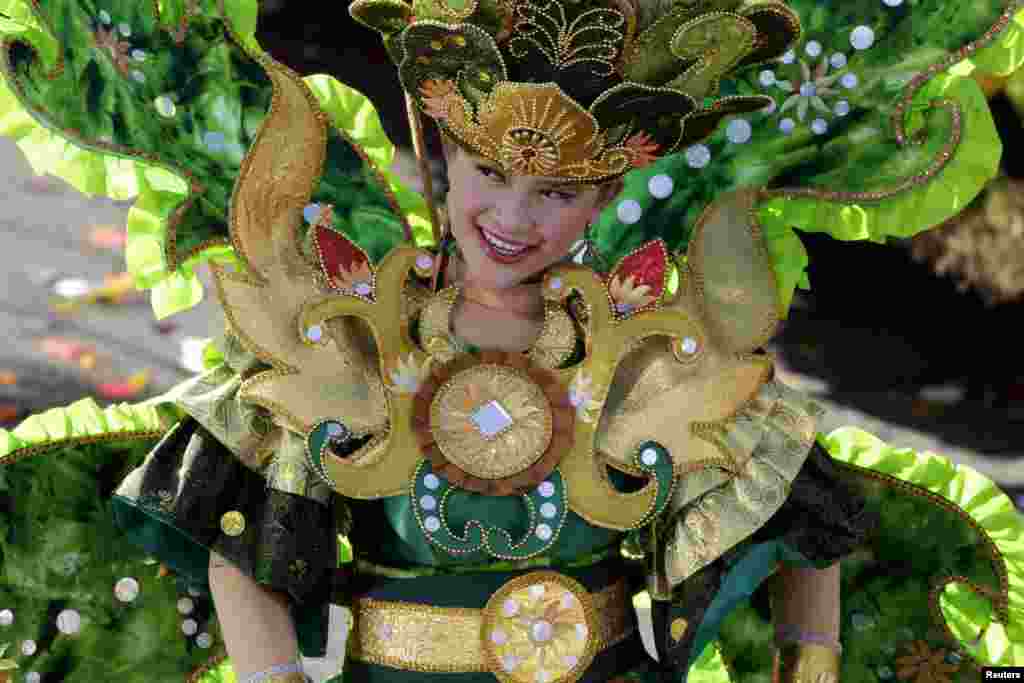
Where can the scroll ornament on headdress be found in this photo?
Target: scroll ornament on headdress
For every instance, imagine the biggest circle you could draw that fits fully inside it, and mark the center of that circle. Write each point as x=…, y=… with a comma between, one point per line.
x=577, y=89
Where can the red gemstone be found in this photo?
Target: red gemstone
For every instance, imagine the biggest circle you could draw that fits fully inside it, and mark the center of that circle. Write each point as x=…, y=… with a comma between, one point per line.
x=648, y=265
x=337, y=253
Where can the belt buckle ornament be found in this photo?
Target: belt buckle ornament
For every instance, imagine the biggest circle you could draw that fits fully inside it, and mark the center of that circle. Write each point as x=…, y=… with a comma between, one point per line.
x=540, y=627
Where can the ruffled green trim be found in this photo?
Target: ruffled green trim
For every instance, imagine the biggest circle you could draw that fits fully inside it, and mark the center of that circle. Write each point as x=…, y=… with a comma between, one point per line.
x=352, y=112
x=966, y=613
x=84, y=422
x=910, y=212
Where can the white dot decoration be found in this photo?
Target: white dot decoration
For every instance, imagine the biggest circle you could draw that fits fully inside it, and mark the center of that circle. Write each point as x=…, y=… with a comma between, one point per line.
x=766, y=78
x=571, y=660
x=789, y=57
x=189, y=627
x=819, y=126
x=738, y=131
x=787, y=125
x=510, y=608
x=138, y=76
x=335, y=429
x=862, y=37
x=363, y=288
x=125, y=30
x=893, y=3
x=315, y=333
x=629, y=211
x=556, y=283
x=311, y=213
x=139, y=55
x=33, y=677
x=842, y=108
x=105, y=16
x=849, y=81
x=698, y=156
x=838, y=60
x=548, y=510
x=214, y=141
x=69, y=622
x=204, y=640
x=813, y=48
x=499, y=637
x=165, y=106
x=546, y=489
x=660, y=186
x=432, y=523
x=544, y=532
x=127, y=589
x=6, y=617
x=537, y=591
x=431, y=482
x=428, y=503
x=770, y=108
x=689, y=345
x=28, y=648
x=581, y=632
x=424, y=262
x=568, y=601
x=509, y=663
x=808, y=89
x=649, y=457
x=185, y=606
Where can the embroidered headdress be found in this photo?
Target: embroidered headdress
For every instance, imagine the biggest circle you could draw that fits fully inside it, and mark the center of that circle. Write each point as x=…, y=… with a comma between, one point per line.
x=578, y=89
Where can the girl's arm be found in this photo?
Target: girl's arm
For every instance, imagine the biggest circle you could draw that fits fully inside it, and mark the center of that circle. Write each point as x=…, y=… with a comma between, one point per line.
x=257, y=626
x=805, y=610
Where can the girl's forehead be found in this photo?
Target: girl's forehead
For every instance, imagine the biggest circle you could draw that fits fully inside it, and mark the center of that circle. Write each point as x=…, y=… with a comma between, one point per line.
x=528, y=179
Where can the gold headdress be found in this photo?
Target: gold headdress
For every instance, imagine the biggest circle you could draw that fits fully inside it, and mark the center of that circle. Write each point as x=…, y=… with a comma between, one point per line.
x=577, y=89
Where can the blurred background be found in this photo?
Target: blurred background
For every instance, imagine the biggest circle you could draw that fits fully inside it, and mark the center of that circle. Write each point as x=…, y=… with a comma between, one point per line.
x=922, y=353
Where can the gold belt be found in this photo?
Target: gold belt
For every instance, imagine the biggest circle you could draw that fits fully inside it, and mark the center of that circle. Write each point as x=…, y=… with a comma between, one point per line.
x=539, y=626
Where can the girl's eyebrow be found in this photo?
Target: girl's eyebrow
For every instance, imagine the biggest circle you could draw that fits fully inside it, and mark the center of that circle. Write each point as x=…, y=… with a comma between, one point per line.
x=546, y=182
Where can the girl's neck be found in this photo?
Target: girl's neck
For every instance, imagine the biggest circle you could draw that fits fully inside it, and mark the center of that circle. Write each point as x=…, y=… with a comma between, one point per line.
x=524, y=300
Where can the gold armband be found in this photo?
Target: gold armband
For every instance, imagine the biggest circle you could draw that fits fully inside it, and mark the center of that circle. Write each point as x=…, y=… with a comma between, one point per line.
x=806, y=663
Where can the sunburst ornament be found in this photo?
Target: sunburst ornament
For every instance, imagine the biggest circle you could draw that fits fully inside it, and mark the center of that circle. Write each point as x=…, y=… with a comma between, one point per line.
x=494, y=424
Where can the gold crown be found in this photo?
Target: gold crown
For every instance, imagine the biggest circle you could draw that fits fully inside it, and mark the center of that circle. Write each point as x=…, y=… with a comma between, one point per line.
x=584, y=90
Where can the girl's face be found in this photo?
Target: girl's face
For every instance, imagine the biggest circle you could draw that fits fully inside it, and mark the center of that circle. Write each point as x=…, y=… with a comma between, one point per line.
x=510, y=228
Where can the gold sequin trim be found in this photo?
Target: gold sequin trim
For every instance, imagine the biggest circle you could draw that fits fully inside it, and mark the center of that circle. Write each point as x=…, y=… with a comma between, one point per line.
x=678, y=628
x=414, y=637
x=232, y=523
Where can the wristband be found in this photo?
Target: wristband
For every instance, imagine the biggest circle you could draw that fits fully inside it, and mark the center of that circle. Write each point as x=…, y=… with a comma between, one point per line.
x=283, y=673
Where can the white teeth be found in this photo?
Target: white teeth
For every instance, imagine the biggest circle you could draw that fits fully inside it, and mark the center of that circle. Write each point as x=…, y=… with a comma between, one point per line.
x=501, y=246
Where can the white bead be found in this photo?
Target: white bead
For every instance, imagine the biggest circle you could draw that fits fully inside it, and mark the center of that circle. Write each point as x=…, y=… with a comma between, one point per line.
x=629, y=211
x=431, y=482
x=571, y=661
x=660, y=186
x=69, y=622
x=787, y=125
x=165, y=106
x=334, y=429
x=842, y=108
x=738, y=131
x=424, y=262
x=537, y=591
x=510, y=608
x=546, y=489
x=189, y=627
x=509, y=662
x=499, y=637
x=808, y=89
x=813, y=48
x=767, y=78
x=789, y=57
x=698, y=156
x=363, y=289
x=893, y=3
x=385, y=631
x=127, y=589
x=204, y=640
x=770, y=108
x=568, y=601
x=649, y=457
x=311, y=213
x=105, y=16
x=581, y=632
x=428, y=503
x=315, y=333
x=556, y=283
x=849, y=81
x=819, y=126
x=138, y=76
x=838, y=60
x=185, y=606
x=33, y=677
x=541, y=631
x=139, y=55
x=6, y=617
x=28, y=648
x=125, y=30
x=689, y=345
x=548, y=510
x=543, y=676
x=432, y=523
x=862, y=37
x=544, y=532
x=214, y=141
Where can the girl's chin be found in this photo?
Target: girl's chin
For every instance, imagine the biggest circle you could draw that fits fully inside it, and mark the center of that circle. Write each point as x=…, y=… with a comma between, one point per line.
x=486, y=273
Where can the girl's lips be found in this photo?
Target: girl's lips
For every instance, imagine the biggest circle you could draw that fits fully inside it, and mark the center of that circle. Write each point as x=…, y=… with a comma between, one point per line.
x=497, y=256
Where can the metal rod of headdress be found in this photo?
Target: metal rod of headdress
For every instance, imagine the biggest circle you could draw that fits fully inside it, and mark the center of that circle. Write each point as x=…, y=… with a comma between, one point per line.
x=420, y=148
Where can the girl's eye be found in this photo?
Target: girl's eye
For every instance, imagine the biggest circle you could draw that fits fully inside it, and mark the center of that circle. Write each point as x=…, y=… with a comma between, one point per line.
x=489, y=172
x=561, y=196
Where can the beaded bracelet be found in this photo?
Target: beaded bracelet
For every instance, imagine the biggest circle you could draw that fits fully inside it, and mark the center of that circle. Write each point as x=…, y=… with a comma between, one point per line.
x=792, y=634
x=282, y=673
